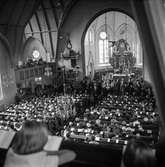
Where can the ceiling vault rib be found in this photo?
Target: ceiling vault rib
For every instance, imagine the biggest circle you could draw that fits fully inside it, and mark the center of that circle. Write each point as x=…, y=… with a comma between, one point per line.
x=10, y=15
x=67, y=10
x=35, y=6
x=21, y=14
x=31, y=28
x=49, y=28
x=39, y=26
x=54, y=12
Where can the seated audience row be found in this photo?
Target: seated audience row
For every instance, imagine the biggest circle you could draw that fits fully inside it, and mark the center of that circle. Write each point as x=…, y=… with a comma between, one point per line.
x=28, y=149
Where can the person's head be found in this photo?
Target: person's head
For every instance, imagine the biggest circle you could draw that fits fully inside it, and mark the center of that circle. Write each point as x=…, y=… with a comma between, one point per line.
x=31, y=138
x=138, y=154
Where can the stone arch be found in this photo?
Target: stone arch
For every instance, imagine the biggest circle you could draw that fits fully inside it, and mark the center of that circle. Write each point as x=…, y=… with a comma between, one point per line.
x=90, y=22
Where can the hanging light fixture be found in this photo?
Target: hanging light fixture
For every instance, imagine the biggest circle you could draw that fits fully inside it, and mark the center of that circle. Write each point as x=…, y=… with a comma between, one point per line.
x=112, y=42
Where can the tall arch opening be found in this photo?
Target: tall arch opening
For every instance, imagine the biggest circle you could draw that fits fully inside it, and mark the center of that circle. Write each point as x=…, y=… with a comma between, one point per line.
x=112, y=42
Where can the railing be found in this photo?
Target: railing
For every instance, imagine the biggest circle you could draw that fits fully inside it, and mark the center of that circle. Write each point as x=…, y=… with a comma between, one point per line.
x=26, y=73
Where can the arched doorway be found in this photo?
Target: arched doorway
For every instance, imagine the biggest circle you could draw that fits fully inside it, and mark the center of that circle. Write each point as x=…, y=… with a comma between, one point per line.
x=112, y=42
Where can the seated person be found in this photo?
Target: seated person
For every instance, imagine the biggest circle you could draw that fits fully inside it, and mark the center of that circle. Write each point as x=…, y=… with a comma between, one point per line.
x=28, y=149
x=138, y=154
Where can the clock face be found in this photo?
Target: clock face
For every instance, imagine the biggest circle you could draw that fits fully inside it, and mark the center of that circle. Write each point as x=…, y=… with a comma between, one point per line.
x=36, y=54
x=103, y=35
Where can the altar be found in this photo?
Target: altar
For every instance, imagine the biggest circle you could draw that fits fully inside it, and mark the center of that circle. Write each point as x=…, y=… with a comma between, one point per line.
x=122, y=59
x=122, y=64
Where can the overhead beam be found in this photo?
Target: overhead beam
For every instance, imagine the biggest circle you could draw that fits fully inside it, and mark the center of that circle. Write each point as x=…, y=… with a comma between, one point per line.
x=49, y=28
x=44, y=31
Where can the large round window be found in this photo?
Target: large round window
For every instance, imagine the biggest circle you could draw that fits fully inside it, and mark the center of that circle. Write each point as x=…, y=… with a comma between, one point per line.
x=103, y=35
x=36, y=54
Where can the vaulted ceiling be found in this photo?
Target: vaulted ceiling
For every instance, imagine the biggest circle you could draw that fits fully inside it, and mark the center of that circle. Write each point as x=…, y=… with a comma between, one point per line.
x=19, y=12
x=46, y=21
x=41, y=19
x=38, y=18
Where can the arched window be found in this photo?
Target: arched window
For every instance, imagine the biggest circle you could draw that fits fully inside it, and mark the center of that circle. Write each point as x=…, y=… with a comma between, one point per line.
x=102, y=35
x=103, y=48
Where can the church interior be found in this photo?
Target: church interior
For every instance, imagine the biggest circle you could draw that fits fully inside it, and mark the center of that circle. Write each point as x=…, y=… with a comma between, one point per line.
x=91, y=70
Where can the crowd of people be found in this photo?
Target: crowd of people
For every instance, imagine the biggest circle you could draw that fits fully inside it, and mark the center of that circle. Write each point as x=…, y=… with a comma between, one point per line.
x=97, y=112
x=53, y=110
x=30, y=143
x=120, y=114
x=116, y=119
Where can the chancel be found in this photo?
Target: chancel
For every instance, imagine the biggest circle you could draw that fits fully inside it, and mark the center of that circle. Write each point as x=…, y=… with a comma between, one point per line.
x=89, y=72
x=122, y=59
